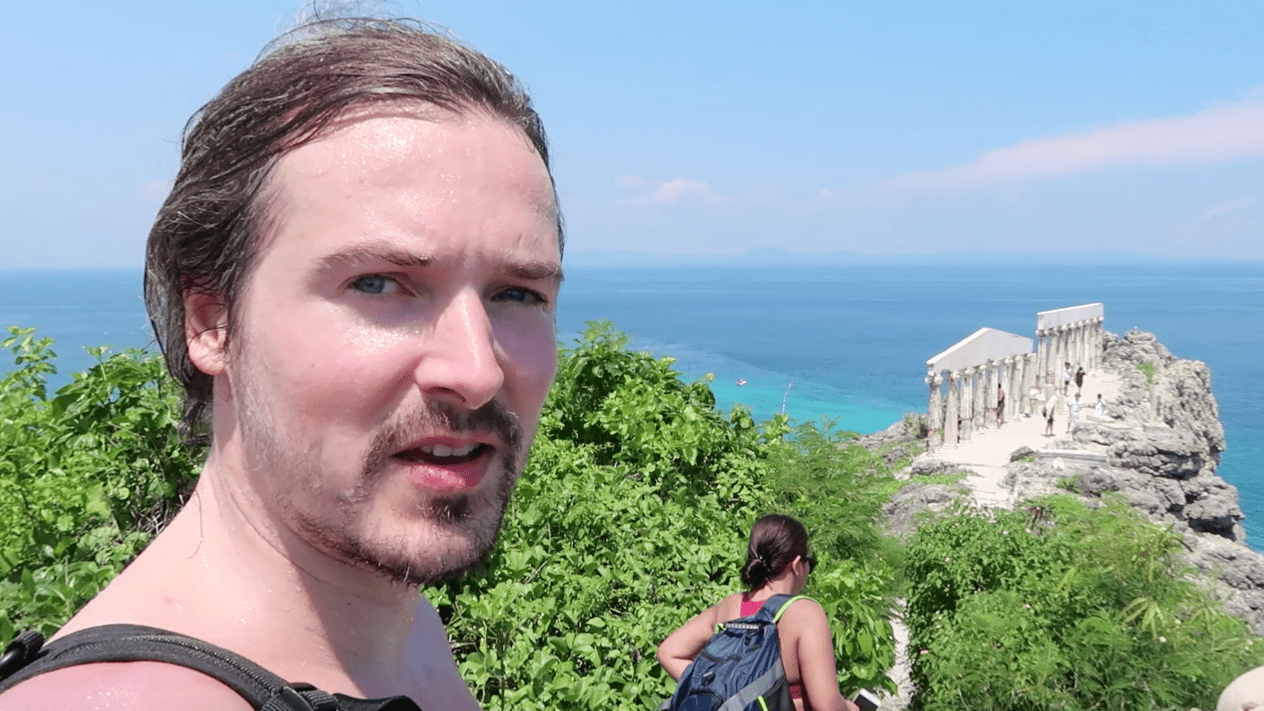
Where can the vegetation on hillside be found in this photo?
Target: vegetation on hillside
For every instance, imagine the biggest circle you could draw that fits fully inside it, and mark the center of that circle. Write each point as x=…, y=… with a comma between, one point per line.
x=1064, y=607
x=630, y=517
x=87, y=476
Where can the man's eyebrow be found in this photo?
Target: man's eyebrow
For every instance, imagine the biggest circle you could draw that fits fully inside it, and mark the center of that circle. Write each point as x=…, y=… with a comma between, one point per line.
x=537, y=271
x=352, y=256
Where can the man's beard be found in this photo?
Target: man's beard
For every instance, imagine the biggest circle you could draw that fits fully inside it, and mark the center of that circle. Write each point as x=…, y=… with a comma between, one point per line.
x=464, y=524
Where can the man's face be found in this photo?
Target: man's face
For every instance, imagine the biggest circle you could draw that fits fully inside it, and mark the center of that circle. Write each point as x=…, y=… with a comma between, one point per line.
x=396, y=341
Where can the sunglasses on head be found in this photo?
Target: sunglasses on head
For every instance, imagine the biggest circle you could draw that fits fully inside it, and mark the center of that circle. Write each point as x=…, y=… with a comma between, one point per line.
x=811, y=561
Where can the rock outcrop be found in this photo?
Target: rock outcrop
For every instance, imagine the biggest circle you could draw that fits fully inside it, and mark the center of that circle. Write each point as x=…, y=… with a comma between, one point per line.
x=904, y=440
x=1159, y=448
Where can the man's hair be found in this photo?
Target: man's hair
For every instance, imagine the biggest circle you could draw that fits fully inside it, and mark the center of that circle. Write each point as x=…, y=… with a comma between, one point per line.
x=209, y=231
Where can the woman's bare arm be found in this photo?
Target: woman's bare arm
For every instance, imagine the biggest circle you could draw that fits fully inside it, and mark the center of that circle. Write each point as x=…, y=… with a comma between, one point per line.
x=676, y=652
x=816, y=657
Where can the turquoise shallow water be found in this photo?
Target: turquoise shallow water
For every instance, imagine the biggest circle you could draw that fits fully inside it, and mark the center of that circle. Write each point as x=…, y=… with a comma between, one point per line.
x=847, y=342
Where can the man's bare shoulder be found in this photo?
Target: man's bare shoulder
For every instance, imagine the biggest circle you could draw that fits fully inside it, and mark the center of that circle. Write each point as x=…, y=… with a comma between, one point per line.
x=136, y=686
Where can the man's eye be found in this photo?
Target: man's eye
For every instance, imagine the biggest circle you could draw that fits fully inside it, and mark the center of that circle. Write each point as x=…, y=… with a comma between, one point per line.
x=372, y=284
x=520, y=295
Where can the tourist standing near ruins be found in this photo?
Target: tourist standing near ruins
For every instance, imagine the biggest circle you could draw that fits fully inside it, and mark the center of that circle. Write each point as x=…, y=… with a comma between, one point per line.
x=1051, y=405
x=1073, y=411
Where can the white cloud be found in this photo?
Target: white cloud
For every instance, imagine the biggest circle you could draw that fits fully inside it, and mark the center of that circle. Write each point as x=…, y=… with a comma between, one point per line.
x=678, y=188
x=671, y=191
x=1227, y=229
x=1225, y=208
x=1223, y=134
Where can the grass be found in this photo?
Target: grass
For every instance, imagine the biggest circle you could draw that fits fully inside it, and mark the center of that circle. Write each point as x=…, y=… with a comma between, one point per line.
x=1149, y=370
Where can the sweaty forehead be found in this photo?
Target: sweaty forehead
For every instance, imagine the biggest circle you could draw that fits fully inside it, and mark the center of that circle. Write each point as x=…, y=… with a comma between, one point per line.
x=389, y=146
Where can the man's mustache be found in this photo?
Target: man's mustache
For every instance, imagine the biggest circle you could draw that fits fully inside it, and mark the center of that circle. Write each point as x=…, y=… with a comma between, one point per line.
x=444, y=418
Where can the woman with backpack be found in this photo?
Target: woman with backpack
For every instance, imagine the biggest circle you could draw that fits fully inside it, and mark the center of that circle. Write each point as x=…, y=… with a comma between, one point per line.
x=777, y=563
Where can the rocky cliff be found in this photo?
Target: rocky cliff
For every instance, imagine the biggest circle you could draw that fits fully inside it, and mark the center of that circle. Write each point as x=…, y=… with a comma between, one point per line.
x=1162, y=441
x=1158, y=447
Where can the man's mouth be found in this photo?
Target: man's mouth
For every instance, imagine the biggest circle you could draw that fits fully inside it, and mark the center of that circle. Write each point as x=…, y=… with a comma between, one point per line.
x=442, y=454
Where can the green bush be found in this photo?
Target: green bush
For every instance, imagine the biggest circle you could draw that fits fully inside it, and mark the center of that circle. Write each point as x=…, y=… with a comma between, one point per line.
x=86, y=477
x=631, y=516
x=1149, y=370
x=1073, y=609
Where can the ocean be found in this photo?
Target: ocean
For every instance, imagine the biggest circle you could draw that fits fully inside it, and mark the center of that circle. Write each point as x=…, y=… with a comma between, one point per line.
x=845, y=343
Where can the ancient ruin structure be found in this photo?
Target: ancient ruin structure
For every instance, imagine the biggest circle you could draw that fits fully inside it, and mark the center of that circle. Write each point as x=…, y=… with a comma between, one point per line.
x=973, y=369
x=1071, y=335
x=964, y=380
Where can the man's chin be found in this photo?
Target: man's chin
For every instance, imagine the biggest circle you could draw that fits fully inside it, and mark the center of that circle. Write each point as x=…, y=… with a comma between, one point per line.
x=453, y=535
x=429, y=569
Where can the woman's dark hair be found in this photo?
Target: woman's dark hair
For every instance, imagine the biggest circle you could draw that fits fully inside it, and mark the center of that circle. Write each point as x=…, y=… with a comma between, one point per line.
x=775, y=540
x=209, y=232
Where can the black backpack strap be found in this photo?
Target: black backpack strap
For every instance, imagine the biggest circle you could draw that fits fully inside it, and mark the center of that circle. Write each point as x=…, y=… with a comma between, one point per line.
x=26, y=657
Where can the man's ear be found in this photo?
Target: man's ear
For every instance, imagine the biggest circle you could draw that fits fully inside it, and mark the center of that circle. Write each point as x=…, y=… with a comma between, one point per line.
x=206, y=331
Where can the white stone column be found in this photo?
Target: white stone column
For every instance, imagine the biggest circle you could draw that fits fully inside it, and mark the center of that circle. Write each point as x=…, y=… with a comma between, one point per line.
x=1045, y=358
x=1022, y=364
x=967, y=403
x=1097, y=342
x=934, y=413
x=976, y=390
x=1094, y=345
x=1064, y=353
x=953, y=411
x=1081, y=340
x=1070, y=351
x=997, y=370
x=1000, y=383
x=1003, y=381
x=1030, y=379
x=963, y=405
x=980, y=398
x=1042, y=353
x=1075, y=347
x=1013, y=391
x=1055, y=367
x=1070, y=347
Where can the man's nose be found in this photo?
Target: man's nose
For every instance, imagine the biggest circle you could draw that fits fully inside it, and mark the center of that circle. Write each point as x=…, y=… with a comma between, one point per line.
x=461, y=364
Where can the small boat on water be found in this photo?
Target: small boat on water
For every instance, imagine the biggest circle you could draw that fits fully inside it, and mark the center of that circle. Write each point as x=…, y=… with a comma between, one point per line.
x=741, y=382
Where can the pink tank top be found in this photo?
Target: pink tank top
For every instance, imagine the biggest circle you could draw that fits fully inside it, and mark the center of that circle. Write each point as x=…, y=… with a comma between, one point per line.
x=750, y=607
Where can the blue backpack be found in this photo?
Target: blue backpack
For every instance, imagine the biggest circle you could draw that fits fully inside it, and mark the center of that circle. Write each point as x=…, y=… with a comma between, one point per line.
x=740, y=667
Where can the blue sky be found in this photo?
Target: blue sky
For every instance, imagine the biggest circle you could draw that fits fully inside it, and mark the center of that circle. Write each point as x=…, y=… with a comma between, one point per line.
x=903, y=130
